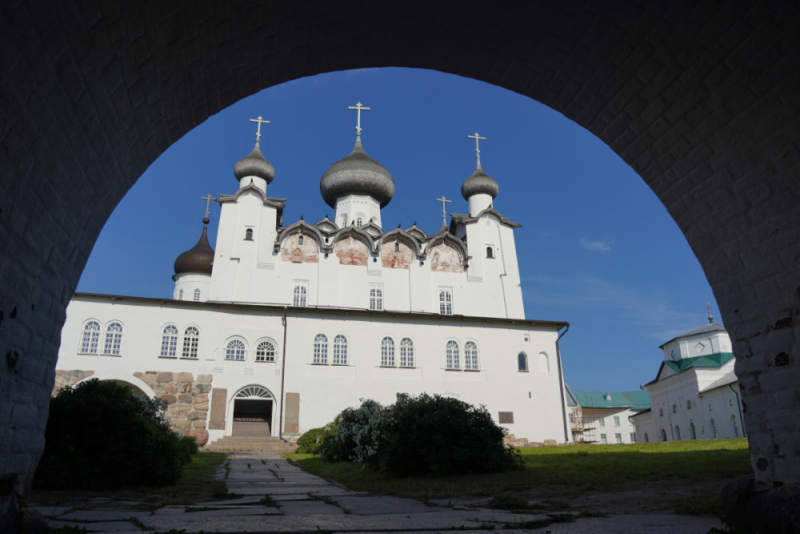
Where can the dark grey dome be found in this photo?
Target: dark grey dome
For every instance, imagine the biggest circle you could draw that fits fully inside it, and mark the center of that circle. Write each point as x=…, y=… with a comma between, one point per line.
x=357, y=174
x=197, y=259
x=479, y=183
x=254, y=165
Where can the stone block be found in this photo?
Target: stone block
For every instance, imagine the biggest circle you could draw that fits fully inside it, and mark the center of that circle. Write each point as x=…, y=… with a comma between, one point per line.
x=203, y=397
x=184, y=377
x=219, y=398
x=201, y=388
x=147, y=378
x=181, y=424
x=196, y=415
x=59, y=373
x=159, y=388
x=169, y=399
x=184, y=398
x=201, y=406
x=206, y=379
x=200, y=436
x=550, y=443
x=164, y=378
x=172, y=388
x=177, y=408
x=88, y=373
x=77, y=374
x=186, y=387
x=198, y=424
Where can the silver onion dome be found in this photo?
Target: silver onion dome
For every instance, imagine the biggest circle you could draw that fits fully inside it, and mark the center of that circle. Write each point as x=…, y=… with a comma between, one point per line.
x=357, y=174
x=254, y=165
x=479, y=183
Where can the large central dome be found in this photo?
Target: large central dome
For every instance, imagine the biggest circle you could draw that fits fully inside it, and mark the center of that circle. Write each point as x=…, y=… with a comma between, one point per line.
x=357, y=174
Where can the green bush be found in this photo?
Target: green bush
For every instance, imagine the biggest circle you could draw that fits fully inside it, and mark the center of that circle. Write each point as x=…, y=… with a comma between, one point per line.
x=188, y=447
x=100, y=435
x=312, y=441
x=421, y=435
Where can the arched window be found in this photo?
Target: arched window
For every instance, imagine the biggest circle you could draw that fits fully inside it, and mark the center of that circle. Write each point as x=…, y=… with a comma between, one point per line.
x=452, y=355
x=197, y=295
x=248, y=234
x=359, y=221
x=661, y=412
x=674, y=408
x=169, y=341
x=522, y=362
x=235, y=350
x=387, y=352
x=191, y=338
x=397, y=247
x=646, y=438
x=471, y=356
x=489, y=252
x=91, y=336
x=406, y=353
x=692, y=432
x=300, y=292
x=180, y=294
x=113, y=339
x=340, y=350
x=677, y=433
x=713, y=429
x=321, y=349
x=265, y=352
x=663, y=434
x=300, y=240
x=688, y=405
x=544, y=363
x=734, y=427
x=343, y=221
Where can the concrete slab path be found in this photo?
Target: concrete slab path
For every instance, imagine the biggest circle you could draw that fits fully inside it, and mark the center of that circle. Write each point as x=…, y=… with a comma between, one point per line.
x=277, y=496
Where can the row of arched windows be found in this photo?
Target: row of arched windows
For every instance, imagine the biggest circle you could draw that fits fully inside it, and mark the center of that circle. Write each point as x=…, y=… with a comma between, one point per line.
x=236, y=350
x=195, y=295
x=454, y=359
x=388, y=352
x=169, y=342
x=90, y=340
x=340, y=350
x=693, y=432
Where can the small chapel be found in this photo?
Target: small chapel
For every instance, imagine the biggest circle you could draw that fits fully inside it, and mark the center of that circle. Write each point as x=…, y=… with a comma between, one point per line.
x=280, y=326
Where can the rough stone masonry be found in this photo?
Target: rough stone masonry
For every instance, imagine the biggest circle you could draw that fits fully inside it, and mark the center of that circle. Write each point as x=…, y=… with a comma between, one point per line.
x=700, y=98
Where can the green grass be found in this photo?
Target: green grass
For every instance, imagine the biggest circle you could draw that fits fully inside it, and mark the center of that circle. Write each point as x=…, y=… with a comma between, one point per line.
x=195, y=485
x=576, y=467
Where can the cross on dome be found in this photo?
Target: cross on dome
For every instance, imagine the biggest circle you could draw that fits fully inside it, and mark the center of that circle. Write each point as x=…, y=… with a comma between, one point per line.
x=208, y=198
x=260, y=121
x=358, y=107
x=710, y=317
x=477, y=147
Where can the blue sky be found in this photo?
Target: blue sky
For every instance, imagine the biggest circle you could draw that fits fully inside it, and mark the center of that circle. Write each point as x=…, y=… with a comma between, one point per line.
x=596, y=247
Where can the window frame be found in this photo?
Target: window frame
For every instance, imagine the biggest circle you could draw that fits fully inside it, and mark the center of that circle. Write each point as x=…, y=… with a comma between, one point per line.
x=475, y=357
x=169, y=345
x=490, y=252
x=446, y=306
x=244, y=350
x=603, y=438
x=192, y=342
x=388, y=352
x=376, y=299
x=343, y=350
x=616, y=420
x=618, y=437
x=116, y=338
x=523, y=359
x=93, y=339
x=248, y=234
x=601, y=422
x=320, y=350
x=300, y=293
x=405, y=357
x=196, y=295
x=452, y=357
x=265, y=356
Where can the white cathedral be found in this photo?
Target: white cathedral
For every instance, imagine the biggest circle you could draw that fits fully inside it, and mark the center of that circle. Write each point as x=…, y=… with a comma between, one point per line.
x=280, y=327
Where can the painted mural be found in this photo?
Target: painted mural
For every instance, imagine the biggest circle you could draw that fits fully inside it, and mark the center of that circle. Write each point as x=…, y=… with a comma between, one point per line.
x=395, y=254
x=445, y=259
x=351, y=251
x=300, y=248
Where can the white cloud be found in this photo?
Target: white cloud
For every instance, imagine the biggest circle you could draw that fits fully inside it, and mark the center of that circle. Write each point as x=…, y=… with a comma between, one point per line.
x=647, y=307
x=596, y=246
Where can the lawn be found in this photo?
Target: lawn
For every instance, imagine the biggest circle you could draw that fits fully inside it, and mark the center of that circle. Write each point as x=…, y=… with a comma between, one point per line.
x=195, y=485
x=573, y=469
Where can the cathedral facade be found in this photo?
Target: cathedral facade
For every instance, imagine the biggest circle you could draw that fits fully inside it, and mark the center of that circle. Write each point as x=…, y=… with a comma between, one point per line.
x=279, y=327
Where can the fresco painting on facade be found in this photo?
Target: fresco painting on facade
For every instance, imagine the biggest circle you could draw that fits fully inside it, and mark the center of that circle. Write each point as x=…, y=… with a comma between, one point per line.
x=446, y=259
x=352, y=251
x=396, y=254
x=300, y=248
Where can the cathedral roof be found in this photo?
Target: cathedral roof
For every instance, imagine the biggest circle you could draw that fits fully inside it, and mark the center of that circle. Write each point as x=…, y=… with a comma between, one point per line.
x=479, y=183
x=254, y=165
x=357, y=174
x=199, y=258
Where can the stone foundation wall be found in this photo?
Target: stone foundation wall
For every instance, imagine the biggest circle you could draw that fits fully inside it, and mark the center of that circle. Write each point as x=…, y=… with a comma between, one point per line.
x=65, y=379
x=186, y=398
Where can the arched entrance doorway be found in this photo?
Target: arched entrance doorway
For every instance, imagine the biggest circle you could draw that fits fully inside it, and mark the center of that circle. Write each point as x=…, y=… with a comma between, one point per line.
x=251, y=412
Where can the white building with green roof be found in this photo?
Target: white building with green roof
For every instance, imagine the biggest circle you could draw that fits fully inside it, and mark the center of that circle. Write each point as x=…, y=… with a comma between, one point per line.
x=605, y=417
x=695, y=394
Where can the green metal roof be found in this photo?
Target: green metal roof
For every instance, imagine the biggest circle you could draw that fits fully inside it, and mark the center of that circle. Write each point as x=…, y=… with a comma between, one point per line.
x=714, y=360
x=635, y=400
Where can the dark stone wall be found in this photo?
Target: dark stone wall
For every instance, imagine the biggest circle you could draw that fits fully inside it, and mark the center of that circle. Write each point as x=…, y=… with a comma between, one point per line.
x=701, y=98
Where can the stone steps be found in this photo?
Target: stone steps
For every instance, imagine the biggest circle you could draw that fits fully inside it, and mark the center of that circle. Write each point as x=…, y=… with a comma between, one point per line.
x=246, y=443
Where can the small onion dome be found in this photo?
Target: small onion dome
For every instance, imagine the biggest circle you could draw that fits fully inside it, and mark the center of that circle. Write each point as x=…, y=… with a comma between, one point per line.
x=254, y=165
x=197, y=259
x=479, y=183
x=357, y=174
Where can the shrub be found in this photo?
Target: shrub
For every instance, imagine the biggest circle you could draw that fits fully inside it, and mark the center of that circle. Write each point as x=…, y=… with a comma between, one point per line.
x=360, y=432
x=188, y=447
x=312, y=441
x=100, y=435
x=443, y=436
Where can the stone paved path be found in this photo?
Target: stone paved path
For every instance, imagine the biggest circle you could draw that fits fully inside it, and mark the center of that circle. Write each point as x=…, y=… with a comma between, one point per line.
x=276, y=496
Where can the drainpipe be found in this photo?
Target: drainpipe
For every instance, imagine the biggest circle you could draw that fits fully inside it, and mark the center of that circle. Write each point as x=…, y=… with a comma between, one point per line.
x=561, y=386
x=739, y=406
x=283, y=370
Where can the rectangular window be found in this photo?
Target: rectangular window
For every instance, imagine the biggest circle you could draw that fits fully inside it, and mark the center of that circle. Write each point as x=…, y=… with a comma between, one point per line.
x=300, y=296
x=376, y=297
x=633, y=437
x=616, y=420
x=603, y=438
x=618, y=438
x=601, y=421
x=445, y=301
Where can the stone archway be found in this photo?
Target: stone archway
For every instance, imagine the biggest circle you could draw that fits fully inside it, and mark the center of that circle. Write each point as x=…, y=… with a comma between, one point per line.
x=700, y=99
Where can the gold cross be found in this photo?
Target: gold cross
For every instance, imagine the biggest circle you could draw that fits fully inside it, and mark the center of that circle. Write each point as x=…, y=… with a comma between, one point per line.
x=260, y=122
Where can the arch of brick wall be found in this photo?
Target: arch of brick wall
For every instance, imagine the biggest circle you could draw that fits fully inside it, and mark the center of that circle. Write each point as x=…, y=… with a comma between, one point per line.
x=700, y=98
